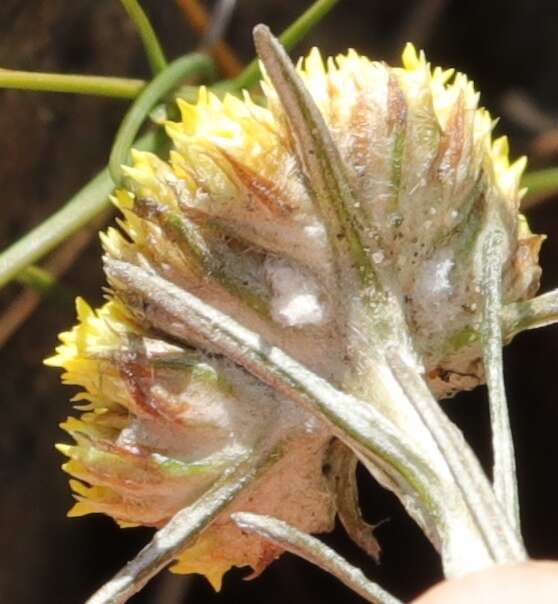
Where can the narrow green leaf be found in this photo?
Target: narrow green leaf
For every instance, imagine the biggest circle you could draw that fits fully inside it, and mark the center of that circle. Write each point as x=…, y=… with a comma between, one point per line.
x=540, y=182
x=92, y=198
x=44, y=283
x=504, y=543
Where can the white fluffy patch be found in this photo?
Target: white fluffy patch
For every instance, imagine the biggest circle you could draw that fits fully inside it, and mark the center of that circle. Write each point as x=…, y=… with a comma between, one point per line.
x=433, y=288
x=296, y=295
x=433, y=279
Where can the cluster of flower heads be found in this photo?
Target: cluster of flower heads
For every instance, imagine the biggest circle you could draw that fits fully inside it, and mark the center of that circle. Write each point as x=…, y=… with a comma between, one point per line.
x=230, y=218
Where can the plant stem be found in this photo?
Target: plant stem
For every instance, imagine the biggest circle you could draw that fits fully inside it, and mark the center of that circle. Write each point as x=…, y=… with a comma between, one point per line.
x=21, y=308
x=79, y=210
x=91, y=199
x=502, y=542
x=504, y=474
x=174, y=536
x=123, y=88
x=43, y=282
x=315, y=552
x=531, y=314
x=153, y=49
x=541, y=182
x=158, y=88
x=288, y=38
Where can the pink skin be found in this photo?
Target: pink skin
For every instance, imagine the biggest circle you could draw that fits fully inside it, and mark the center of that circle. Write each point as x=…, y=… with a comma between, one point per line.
x=528, y=583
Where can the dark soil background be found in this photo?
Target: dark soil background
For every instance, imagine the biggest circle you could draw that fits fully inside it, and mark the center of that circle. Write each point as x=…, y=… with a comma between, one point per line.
x=50, y=144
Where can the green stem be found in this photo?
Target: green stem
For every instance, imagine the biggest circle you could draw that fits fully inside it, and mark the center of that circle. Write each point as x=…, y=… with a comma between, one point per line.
x=82, y=207
x=123, y=88
x=158, y=88
x=288, y=38
x=44, y=283
x=153, y=49
x=541, y=182
x=92, y=198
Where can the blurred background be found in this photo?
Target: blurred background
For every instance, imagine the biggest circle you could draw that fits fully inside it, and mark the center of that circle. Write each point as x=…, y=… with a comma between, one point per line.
x=51, y=144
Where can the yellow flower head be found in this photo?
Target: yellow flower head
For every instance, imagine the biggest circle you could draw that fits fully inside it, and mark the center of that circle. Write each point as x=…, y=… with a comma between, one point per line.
x=230, y=218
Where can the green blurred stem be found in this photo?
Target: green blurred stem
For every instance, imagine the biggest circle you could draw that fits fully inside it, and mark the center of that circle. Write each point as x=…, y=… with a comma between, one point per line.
x=153, y=49
x=90, y=200
x=123, y=88
x=81, y=208
x=289, y=39
x=158, y=88
x=541, y=182
x=44, y=283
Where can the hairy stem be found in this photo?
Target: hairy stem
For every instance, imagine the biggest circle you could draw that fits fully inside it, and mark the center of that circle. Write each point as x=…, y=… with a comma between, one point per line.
x=501, y=541
x=175, y=535
x=504, y=475
x=315, y=552
x=531, y=314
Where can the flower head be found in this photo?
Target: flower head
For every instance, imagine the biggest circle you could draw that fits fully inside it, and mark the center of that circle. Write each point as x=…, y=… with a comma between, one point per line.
x=230, y=217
